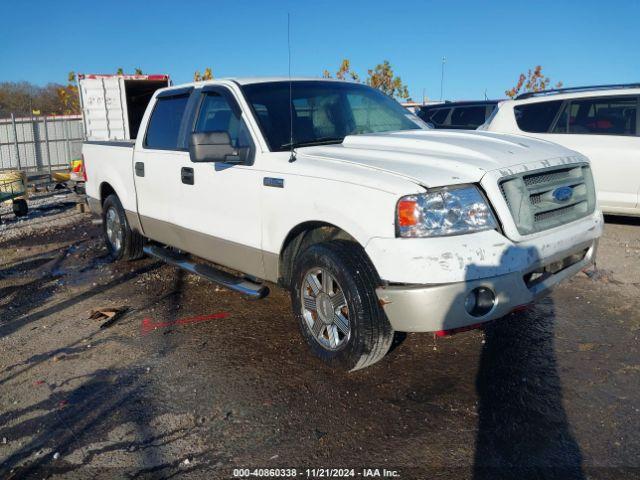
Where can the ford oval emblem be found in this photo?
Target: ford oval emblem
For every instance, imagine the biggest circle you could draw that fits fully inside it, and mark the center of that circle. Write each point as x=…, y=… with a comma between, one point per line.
x=562, y=194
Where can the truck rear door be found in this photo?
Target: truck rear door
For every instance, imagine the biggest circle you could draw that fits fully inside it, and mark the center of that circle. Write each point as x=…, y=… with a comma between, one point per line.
x=158, y=158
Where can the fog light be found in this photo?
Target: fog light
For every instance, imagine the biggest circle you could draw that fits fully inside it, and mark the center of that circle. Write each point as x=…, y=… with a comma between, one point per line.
x=480, y=301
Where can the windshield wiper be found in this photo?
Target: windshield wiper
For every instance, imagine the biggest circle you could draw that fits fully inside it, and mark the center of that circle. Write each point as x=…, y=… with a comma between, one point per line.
x=317, y=141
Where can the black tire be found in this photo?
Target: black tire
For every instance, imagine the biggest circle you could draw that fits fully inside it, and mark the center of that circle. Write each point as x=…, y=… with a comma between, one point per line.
x=20, y=207
x=370, y=333
x=131, y=242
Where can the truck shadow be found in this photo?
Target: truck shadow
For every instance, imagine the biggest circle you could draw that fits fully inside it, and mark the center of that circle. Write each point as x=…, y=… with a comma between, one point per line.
x=78, y=424
x=523, y=430
x=39, y=290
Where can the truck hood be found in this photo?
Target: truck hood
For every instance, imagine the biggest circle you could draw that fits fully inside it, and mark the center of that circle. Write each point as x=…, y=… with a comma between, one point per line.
x=435, y=158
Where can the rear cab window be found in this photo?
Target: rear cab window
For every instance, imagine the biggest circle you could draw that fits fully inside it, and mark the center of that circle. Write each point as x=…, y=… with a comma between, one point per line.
x=163, y=131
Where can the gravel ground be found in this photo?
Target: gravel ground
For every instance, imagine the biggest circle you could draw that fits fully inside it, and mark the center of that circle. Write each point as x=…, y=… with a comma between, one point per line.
x=47, y=210
x=194, y=381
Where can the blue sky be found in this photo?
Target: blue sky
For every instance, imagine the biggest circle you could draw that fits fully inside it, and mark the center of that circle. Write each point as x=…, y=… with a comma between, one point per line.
x=486, y=44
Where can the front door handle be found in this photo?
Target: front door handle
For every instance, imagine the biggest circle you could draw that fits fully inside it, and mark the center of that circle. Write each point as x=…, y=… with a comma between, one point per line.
x=186, y=174
x=139, y=169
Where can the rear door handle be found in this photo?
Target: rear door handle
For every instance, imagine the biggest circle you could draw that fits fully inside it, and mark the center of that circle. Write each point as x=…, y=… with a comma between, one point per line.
x=139, y=169
x=186, y=174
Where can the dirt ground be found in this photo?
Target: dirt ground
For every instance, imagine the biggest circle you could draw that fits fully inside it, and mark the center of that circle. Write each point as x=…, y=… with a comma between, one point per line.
x=194, y=381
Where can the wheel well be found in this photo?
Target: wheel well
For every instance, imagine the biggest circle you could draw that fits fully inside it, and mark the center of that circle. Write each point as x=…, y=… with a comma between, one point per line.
x=105, y=191
x=301, y=238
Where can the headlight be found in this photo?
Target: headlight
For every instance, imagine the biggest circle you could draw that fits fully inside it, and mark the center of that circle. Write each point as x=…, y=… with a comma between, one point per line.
x=447, y=211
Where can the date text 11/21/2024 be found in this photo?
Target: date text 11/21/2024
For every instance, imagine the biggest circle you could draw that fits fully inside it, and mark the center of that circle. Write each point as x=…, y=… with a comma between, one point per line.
x=316, y=473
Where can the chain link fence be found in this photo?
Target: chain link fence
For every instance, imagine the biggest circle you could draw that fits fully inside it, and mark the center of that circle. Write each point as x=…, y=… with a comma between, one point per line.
x=40, y=145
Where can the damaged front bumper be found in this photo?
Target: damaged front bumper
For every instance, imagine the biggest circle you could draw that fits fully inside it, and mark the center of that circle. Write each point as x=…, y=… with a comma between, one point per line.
x=514, y=273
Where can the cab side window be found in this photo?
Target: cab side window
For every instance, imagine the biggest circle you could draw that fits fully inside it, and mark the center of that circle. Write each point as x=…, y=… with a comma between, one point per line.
x=537, y=117
x=164, y=125
x=469, y=117
x=439, y=116
x=216, y=115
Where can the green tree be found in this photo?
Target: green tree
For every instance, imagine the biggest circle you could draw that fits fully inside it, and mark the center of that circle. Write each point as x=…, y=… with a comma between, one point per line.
x=120, y=71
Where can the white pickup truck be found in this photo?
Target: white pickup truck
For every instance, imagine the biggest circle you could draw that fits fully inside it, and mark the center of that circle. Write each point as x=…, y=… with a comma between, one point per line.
x=331, y=189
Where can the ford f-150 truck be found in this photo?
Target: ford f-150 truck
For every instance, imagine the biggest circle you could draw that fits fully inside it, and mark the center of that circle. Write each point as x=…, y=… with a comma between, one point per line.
x=373, y=221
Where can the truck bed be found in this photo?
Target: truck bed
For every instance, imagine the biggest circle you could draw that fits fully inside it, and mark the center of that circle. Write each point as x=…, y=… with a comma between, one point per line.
x=114, y=162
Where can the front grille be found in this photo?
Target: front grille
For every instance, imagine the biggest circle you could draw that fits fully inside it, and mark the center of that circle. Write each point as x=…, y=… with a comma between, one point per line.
x=534, y=201
x=530, y=180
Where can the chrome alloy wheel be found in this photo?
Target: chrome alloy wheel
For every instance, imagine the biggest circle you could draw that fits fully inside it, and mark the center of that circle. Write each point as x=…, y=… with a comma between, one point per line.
x=115, y=233
x=325, y=310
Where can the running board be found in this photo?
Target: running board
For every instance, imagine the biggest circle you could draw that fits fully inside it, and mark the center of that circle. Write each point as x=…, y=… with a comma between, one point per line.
x=222, y=278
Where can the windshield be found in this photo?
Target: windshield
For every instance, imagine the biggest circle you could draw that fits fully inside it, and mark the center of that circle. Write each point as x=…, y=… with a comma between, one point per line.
x=323, y=112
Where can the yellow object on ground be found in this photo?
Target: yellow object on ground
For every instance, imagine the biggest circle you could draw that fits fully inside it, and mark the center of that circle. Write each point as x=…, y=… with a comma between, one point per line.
x=14, y=181
x=61, y=176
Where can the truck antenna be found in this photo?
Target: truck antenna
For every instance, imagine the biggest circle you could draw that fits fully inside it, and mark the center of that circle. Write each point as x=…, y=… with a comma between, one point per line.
x=292, y=157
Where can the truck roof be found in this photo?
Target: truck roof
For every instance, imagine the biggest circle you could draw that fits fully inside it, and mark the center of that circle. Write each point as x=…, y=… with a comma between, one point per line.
x=585, y=89
x=253, y=80
x=250, y=80
x=461, y=103
x=577, y=93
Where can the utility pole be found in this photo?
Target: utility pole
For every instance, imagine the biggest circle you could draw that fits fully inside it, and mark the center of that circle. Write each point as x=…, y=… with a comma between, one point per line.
x=444, y=60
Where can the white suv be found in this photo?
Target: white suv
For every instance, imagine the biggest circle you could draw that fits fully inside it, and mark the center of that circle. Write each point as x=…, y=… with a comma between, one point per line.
x=599, y=122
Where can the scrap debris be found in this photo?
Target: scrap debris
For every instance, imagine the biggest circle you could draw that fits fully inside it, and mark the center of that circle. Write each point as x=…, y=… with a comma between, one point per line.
x=109, y=314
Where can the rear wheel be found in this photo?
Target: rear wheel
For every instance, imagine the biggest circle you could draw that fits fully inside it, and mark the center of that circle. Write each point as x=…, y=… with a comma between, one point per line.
x=122, y=242
x=334, y=300
x=20, y=207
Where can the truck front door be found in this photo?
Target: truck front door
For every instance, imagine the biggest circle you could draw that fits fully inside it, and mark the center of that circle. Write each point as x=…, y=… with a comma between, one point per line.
x=217, y=207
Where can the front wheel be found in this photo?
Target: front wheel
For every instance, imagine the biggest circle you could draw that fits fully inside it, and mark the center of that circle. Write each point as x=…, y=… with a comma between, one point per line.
x=122, y=242
x=334, y=300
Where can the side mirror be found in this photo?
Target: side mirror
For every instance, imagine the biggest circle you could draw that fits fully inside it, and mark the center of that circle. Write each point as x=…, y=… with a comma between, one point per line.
x=212, y=147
